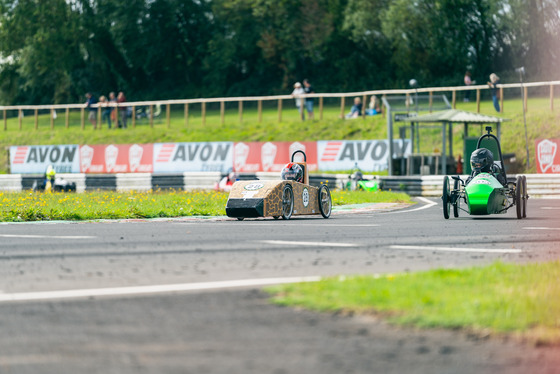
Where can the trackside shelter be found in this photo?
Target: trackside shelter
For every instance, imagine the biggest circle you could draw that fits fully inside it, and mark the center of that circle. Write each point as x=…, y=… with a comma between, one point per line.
x=446, y=119
x=399, y=108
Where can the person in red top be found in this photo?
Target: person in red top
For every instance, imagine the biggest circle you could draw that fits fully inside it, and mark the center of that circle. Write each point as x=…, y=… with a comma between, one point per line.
x=459, y=164
x=122, y=109
x=227, y=182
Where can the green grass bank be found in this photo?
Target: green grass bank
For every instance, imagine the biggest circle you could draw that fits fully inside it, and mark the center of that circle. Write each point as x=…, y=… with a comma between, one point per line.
x=30, y=206
x=519, y=300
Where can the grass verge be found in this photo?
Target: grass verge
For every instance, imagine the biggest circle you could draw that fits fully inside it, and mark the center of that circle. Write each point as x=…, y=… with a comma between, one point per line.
x=30, y=206
x=522, y=300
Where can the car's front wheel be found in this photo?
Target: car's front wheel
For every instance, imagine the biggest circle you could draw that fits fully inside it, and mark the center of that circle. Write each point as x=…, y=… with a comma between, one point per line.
x=287, y=202
x=325, y=201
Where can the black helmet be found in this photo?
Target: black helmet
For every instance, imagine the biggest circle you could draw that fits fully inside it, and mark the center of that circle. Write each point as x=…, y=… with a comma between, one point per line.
x=293, y=172
x=482, y=160
x=358, y=176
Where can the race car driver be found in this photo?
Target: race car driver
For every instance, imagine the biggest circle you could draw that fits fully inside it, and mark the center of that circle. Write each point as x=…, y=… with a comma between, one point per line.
x=293, y=171
x=482, y=161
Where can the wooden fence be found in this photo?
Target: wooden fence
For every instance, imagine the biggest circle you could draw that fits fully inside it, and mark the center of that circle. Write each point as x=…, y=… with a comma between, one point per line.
x=158, y=104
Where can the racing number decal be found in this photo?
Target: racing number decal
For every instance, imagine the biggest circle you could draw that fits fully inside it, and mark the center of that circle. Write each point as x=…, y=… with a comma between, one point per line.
x=254, y=186
x=305, y=197
x=482, y=181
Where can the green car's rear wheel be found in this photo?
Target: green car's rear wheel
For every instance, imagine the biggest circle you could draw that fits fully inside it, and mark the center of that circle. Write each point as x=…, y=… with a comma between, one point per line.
x=446, y=197
x=519, y=194
x=525, y=197
x=456, y=186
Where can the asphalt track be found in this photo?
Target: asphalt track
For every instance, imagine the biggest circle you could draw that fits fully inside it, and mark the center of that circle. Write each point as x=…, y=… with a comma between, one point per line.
x=184, y=296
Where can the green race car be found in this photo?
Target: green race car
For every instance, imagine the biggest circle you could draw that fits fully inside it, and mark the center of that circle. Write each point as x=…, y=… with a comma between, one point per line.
x=487, y=190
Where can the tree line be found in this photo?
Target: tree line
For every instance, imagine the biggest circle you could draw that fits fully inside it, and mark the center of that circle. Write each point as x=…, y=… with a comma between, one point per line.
x=53, y=51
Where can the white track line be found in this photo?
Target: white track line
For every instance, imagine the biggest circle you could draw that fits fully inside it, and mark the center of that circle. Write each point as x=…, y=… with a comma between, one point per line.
x=45, y=236
x=149, y=290
x=541, y=228
x=312, y=224
x=429, y=204
x=310, y=244
x=454, y=249
x=344, y=225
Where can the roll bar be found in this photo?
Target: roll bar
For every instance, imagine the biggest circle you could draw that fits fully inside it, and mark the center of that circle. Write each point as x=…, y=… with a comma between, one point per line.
x=492, y=136
x=302, y=152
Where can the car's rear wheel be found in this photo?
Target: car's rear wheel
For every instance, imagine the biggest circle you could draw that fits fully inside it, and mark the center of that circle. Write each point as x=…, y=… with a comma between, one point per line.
x=525, y=196
x=519, y=197
x=287, y=202
x=446, y=198
x=456, y=190
x=325, y=201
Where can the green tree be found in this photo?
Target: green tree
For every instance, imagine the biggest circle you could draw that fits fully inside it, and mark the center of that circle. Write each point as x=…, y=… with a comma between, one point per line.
x=53, y=51
x=39, y=45
x=436, y=40
x=278, y=42
x=531, y=34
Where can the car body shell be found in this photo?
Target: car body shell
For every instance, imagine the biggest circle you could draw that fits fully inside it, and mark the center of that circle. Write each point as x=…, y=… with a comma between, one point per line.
x=263, y=198
x=485, y=195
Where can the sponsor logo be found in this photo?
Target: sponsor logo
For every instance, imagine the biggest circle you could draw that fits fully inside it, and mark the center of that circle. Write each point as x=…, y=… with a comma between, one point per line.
x=135, y=157
x=86, y=157
x=305, y=197
x=201, y=151
x=331, y=151
x=121, y=158
x=111, y=154
x=364, y=154
x=165, y=152
x=36, y=158
x=201, y=156
x=268, y=155
x=362, y=150
x=240, y=154
x=19, y=157
x=46, y=154
x=546, y=151
x=254, y=186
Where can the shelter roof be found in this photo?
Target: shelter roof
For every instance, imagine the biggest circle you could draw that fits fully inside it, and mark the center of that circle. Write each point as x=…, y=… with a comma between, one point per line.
x=454, y=115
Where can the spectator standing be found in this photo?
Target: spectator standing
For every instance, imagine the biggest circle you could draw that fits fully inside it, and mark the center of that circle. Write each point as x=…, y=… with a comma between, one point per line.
x=121, y=99
x=297, y=92
x=308, y=89
x=113, y=101
x=494, y=82
x=105, y=110
x=468, y=82
x=459, y=164
x=92, y=115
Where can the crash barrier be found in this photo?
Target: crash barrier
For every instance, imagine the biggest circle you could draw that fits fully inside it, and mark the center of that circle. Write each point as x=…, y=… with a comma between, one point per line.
x=153, y=109
x=143, y=181
x=117, y=182
x=538, y=185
